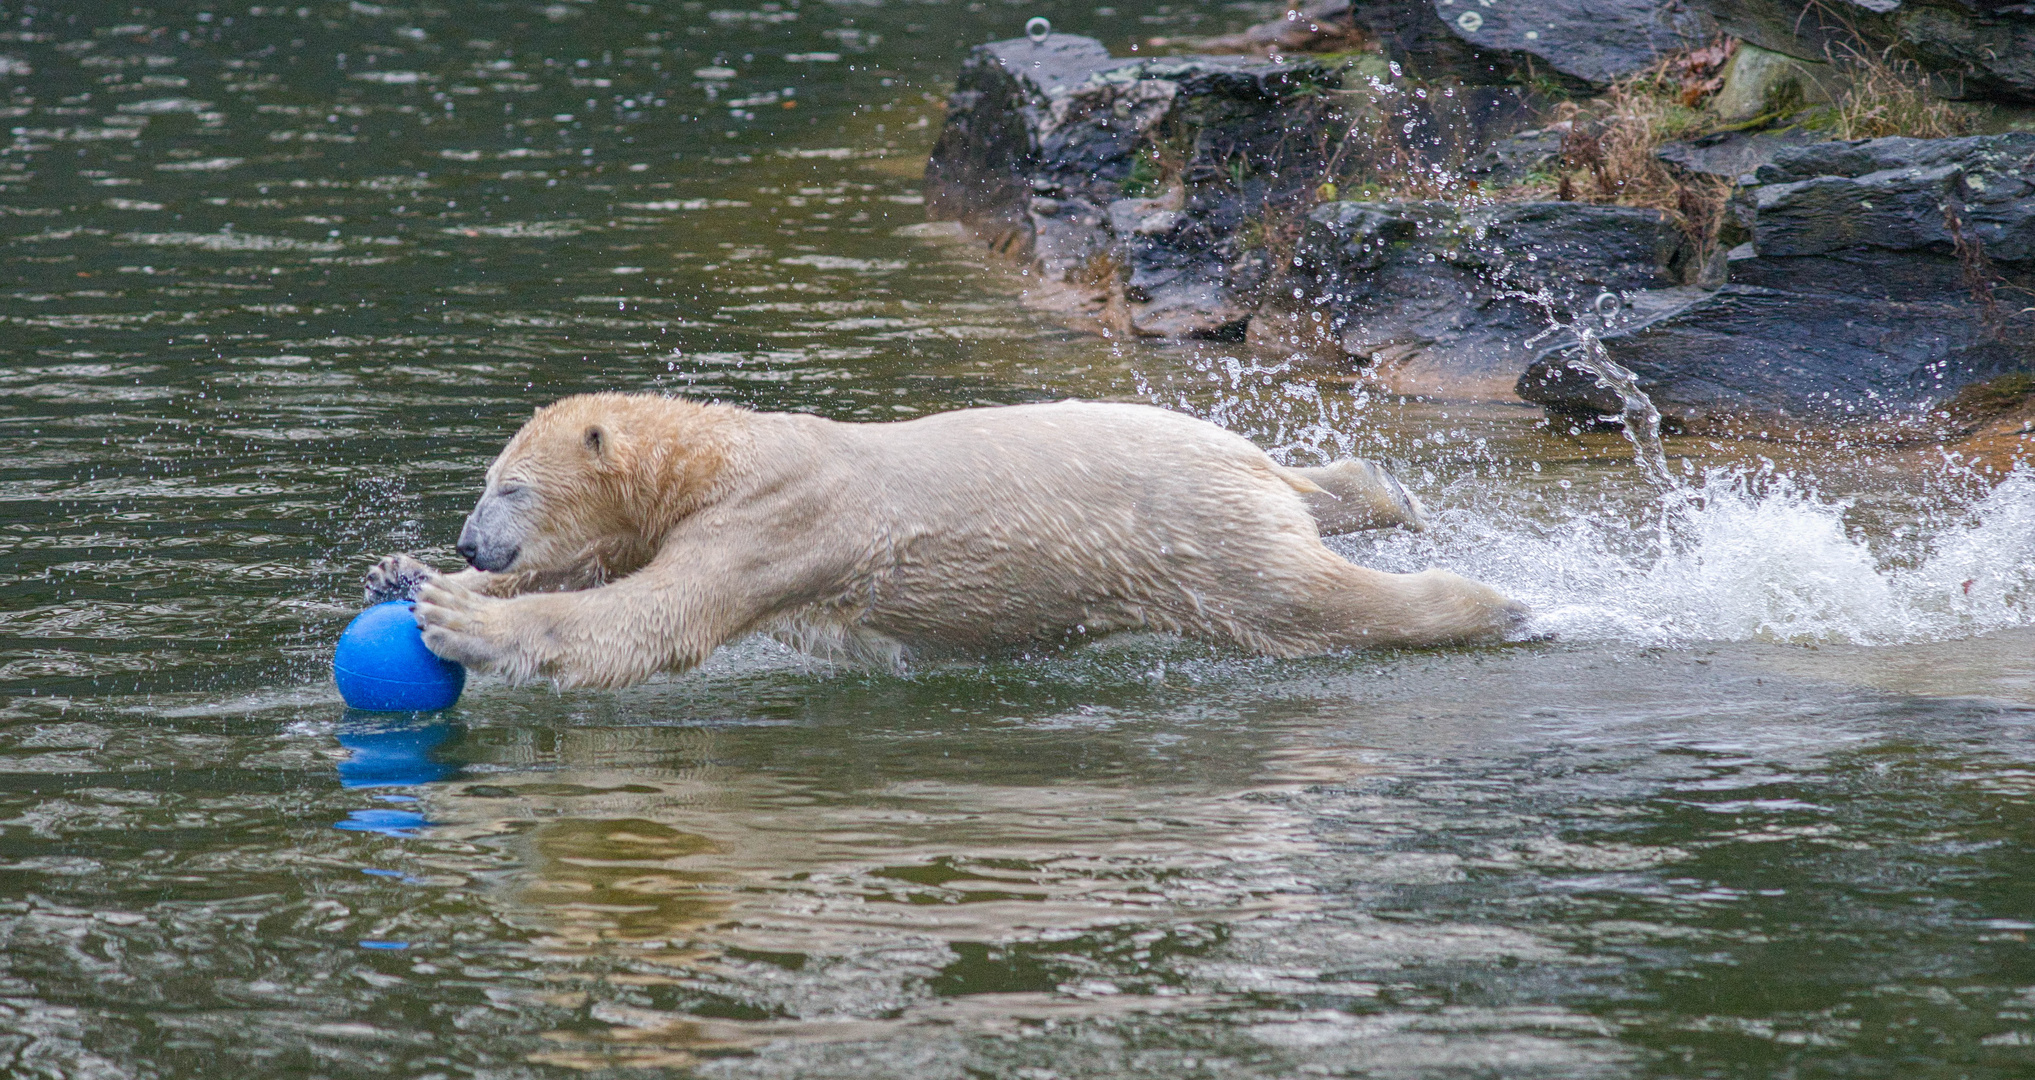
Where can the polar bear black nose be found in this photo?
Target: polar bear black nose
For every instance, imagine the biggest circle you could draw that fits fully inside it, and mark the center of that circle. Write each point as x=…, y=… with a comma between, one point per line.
x=467, y=549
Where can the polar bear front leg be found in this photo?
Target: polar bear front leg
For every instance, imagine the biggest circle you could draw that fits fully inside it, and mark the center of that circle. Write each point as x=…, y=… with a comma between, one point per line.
x=457, y=626
x=403, y=577
x=613, y=636
x=397, y=577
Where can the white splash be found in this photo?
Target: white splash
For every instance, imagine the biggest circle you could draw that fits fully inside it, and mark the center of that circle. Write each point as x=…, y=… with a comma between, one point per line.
x=1750, y=556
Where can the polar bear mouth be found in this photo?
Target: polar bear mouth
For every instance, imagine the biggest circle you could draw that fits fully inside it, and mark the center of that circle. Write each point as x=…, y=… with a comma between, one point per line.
x=493, y=562
x=480, y=557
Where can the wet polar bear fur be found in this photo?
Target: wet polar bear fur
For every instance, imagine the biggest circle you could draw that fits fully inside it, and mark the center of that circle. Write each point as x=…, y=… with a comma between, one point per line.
x=621, y=536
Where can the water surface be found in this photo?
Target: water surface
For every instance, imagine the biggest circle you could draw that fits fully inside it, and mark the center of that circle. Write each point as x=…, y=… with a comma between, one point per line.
x=281, y=279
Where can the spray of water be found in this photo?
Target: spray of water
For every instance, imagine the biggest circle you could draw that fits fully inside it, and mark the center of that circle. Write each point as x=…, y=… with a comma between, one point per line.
x=1730, y=554
x=1754, y=556
x=1637, y=416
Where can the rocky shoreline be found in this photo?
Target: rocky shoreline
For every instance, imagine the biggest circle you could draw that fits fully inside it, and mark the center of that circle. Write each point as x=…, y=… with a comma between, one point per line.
x=1413, y=209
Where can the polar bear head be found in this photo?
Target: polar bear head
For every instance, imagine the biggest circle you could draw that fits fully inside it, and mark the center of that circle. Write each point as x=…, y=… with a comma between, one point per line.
x=590, y=485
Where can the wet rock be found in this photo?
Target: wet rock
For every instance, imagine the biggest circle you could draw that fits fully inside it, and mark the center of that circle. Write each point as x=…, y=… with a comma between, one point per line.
x=1897, y=194
x=1733, y=154
x=1345, y=238
x=1517, y=156
x=1043, y=142
x=1597, y=41
x=1575, y=247
x=1321, y=26
x=982, y=167
x=1870, y=282
x=1429, y=298
x=1760, y=82
x=1413, y=34
x=1747, y=352
x=1860, y=157
x=1981, y=49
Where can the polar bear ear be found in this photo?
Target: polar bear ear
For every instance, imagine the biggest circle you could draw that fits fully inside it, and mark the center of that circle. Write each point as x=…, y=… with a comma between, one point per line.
x=595, y=440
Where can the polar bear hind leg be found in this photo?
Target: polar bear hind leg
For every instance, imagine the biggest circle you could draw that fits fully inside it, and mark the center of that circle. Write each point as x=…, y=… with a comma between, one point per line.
x=1353, y=494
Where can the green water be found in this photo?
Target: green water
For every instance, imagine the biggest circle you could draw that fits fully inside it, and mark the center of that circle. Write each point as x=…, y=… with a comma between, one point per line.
x=1756, y=806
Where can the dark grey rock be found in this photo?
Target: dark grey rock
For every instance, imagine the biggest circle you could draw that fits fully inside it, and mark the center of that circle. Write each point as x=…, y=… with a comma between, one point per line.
x=1598, y=41
x=1732, y=154
x=1861, y=156
x=1750, y=352
x=1899, y=194
x=1981, y=49
x=1868, y=279
x=1517, y=156
x=1430, y=297
x=1414, y=35
x=1065, y=120
x=1345, y=238
x=1852, y=297
x=1577, y=44
x=1318, y=26
x=981, y=169
x=1574, y=248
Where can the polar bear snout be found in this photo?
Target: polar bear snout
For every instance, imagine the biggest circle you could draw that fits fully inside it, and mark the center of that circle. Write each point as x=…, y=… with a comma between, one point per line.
x=487, y=541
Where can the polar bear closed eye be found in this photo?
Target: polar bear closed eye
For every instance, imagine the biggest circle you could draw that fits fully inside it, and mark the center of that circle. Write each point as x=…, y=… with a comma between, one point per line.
x=619, y=536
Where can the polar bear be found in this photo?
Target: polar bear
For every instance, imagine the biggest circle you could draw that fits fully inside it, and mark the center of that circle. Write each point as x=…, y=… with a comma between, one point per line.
x=623, y=535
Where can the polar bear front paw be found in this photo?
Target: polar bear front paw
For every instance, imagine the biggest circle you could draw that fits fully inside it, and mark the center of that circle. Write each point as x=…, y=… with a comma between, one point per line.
x=397, y=577
x=455, y=625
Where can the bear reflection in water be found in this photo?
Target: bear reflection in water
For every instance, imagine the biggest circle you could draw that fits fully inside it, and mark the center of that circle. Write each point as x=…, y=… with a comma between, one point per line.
x=623, y=535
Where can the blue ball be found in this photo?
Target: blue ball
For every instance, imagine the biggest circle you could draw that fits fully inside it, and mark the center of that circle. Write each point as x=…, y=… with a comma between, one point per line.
x=381, y=663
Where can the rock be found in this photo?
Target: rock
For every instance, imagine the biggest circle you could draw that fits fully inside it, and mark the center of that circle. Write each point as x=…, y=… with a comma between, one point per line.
x=1321, y=26
x=1868, y=285
x=1431, y=299
x=1597, y=41
x=1732, y=154
x=1346, y=238
x=1759, y=82
x=1412, y=34
x=1409, y=33
x=982, y=166
x=1574, y=250
x=1892, y=194
x=1041, y=140
x=1860, y=157
x=1517, y=156
x=1748, y=352
x=1979, y=49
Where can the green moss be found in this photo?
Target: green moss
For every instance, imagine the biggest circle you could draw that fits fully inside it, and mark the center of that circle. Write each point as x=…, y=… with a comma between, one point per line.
x=1544, y=86
x=1680, y=121
x=1362, y=63
x=1996, y=395
x=1146, y=176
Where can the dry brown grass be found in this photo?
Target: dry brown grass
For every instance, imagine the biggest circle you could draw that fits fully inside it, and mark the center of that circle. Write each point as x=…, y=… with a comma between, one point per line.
x=1611, y=143
x=1609, y=153
x=1608, y=148
x=1889, y=95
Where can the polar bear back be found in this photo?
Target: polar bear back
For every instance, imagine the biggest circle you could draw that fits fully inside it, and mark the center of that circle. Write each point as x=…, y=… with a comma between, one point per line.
x=991, y=527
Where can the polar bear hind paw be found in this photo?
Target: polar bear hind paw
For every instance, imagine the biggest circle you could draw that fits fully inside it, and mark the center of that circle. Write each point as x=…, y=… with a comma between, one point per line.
x=1354, y=494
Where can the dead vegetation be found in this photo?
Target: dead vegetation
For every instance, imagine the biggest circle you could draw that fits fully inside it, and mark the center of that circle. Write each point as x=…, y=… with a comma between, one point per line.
x=1886, y=95
x=1399, y=139
x=1610, y=146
